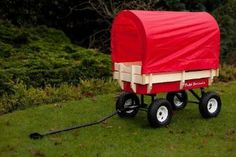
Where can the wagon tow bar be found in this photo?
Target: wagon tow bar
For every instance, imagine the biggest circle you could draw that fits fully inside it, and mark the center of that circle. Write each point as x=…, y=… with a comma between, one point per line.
x=37, y=135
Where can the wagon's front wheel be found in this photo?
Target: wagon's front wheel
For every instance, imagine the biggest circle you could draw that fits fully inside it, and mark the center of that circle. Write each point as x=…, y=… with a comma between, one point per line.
x=159, y=113
x=127, y=104
x=178, y=100
x=210, y=105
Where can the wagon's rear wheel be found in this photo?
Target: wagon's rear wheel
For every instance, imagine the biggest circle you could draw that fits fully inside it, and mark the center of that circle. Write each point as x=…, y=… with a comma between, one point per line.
x=178, y=100
x=159, y=113
x=210, y=105
x=127, y=104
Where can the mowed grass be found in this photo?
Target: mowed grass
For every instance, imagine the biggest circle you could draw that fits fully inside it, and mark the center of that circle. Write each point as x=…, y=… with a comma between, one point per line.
x=187, y=135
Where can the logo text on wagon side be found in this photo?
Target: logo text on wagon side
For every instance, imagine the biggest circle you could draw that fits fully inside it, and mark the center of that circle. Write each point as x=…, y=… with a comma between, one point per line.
x=193, y=84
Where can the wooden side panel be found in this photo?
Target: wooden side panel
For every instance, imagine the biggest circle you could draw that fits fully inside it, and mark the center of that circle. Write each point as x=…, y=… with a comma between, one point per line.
x=130, y=79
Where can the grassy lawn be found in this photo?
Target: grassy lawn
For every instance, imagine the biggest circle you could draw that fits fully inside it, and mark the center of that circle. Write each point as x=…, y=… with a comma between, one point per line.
x=187, y=135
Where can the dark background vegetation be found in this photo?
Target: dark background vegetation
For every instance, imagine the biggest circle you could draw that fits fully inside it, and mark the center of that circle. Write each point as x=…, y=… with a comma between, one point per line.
x=88, y=22
x=41, y=45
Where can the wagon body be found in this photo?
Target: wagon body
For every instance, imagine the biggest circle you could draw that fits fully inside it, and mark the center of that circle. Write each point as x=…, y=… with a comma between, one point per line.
x=160, y=51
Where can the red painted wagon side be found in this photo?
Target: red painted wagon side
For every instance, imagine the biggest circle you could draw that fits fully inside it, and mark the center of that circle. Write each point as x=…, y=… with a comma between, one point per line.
x=164, y=51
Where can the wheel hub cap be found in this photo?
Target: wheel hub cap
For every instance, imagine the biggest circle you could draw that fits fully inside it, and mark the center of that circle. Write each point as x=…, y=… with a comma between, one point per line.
x=162, y=113
x=212, y=105
x=129, y=104
x=177, y=102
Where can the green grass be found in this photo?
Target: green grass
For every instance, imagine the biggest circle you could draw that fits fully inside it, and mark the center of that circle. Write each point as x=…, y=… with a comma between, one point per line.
x=187, y=135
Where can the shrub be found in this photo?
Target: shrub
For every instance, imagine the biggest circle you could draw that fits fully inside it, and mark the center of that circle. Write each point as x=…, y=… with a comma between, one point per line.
x=49, y=34
x=96, y=86
x=5, y=50
x=20, y=39
x=227, y=73
x=25, y=97
x=5, y=85
x=69, y=49
x=43, y=56
x=225, y=15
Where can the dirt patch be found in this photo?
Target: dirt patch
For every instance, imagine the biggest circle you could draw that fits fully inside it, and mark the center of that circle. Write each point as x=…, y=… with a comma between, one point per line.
x=37, y=153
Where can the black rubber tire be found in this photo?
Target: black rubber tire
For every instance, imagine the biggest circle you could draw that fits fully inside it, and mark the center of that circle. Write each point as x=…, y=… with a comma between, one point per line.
x=203, y=106
x=153, y=110
x=120, y=105
x=183, y=98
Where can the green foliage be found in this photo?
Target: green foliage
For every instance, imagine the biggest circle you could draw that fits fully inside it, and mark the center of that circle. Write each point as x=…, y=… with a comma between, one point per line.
x=25, y=97
x=5, y=85
x=69, y=49
x=96, y=87
x=226, y=17
x=5, y=50
x=49, y=35
x=44, y=56
x=227, y=73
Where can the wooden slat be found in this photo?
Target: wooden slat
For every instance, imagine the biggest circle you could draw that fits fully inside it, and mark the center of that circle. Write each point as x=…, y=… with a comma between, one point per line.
x=165, y=77
x=132, y=84
x=197, y=74
x=126, y=77
x=127, y=67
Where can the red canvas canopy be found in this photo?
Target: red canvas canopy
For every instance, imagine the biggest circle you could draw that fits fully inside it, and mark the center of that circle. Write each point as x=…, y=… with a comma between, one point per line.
x=166, y=41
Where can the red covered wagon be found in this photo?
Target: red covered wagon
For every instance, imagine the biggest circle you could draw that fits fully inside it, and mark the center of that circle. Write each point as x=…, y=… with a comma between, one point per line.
x=162, y=51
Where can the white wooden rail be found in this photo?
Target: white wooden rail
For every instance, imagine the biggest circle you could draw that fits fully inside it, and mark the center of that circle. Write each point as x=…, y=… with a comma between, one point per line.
x=131, y=72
